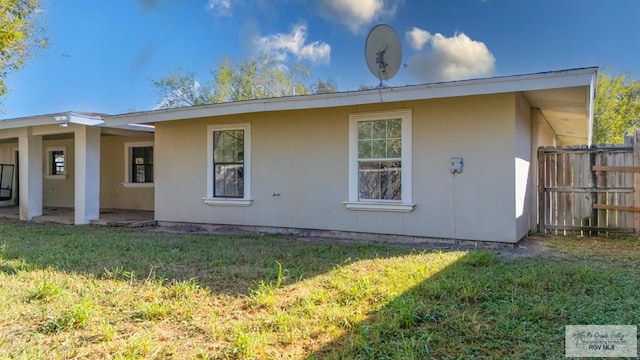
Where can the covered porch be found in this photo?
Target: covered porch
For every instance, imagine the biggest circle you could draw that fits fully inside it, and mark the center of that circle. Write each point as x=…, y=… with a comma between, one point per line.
x=108, y=217
x=70, y=168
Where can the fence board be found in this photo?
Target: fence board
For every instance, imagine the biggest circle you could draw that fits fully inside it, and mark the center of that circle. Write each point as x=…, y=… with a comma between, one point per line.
x=589, y=190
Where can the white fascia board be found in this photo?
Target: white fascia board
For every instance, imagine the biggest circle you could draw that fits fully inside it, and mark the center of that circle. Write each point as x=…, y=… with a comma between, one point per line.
x=496, y=85
x=30, y=121
x=49, y=119
x=134, y=127
x=88, y=120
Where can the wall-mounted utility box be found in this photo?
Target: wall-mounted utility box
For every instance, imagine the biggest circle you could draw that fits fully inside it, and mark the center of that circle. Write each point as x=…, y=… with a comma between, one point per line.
x=456, y=165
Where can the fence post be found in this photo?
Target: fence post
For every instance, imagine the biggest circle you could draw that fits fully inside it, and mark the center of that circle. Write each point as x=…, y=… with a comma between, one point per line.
x=636, y=182
x=542, y=206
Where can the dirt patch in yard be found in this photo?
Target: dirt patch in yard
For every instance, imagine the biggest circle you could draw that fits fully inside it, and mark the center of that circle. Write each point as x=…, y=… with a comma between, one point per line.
x=528, y=247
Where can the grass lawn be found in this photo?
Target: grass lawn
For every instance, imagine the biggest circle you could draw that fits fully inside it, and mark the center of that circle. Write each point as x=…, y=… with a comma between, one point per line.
x=113, y=293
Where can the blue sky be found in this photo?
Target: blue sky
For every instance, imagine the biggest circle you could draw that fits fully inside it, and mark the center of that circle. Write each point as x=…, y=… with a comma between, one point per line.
x=102, y=54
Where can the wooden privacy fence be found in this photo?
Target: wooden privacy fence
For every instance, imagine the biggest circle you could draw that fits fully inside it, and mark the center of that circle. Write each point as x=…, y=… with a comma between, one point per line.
x=590, y=190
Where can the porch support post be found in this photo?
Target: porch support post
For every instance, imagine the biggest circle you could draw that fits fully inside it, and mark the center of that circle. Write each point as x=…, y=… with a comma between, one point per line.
x=87, y=174
x=30, y=150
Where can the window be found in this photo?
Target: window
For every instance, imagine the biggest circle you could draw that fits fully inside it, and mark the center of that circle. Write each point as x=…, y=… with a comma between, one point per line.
x=56, y=162
x=229, y=165
x=138, y=164
x=380, y=161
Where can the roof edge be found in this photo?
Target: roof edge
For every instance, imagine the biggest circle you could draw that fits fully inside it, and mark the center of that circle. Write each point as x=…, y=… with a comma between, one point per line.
x=500, y=84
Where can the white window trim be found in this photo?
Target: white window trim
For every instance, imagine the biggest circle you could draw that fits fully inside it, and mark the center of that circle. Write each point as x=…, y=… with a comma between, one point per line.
x=218, y=201
x=127, y=165
x=48, y=174
x=404, y=205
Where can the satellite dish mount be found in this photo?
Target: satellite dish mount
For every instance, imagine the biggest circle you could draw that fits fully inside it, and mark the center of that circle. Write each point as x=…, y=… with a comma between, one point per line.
x=383, y=52
x=382, y=66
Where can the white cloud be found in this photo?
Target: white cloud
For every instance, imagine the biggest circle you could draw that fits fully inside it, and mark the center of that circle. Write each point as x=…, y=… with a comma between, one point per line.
x=280, y=45
x=451, y=58
x=220, y=7
x=417, y=38
x=356, y=14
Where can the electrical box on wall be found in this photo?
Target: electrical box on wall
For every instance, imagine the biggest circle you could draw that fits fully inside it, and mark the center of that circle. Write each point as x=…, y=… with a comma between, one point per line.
x=456, y=165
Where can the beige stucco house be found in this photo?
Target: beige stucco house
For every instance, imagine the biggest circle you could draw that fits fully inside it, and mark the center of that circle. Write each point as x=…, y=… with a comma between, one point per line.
x=453, y=160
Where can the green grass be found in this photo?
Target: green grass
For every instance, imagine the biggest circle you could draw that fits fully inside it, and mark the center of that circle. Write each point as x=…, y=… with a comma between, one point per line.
x=111, y=293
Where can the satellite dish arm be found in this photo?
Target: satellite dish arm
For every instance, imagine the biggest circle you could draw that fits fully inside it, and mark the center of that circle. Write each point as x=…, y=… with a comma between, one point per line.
x=382, y=66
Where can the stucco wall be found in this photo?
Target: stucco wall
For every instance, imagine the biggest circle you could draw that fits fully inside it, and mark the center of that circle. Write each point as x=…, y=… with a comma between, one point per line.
x=523, y=167
x=478, y=203
x=58, y=191
x=113, y=194
x=541, y=135
x=303, y=156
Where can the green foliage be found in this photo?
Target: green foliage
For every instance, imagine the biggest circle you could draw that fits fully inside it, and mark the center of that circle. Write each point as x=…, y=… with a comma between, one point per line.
x=76, y=317
x=264, y=294
x=45, y=290
x=151, y=311
x=180, y=89
x=257, y=79
x=325, y=87
x=237, y=81
x=364, y=86
x=18, y=30
x=617, y=108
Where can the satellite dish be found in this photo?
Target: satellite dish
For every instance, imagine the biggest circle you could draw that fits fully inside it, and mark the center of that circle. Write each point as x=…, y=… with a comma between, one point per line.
x=383, y=52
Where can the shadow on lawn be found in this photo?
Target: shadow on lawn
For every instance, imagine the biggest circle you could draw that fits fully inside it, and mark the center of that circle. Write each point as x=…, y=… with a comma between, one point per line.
x=438, y=318
x=225, y=264
x=483, y=307
x=476, y=307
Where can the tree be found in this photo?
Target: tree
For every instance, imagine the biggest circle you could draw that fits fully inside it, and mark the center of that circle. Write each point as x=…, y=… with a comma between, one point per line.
x=180, y=89
x=257, y=79
x=616, y=109
x=237, y=81
x=325, y=87
x=18, y=30
x=364, y=86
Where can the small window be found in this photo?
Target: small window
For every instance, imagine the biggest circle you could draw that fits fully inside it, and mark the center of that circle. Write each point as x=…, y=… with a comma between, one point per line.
x=138, y=164
x=229, y=165
x=142, y=171
x=380, y=161
x=56, y=162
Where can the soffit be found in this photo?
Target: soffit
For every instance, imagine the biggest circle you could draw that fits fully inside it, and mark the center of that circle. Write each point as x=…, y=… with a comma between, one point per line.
x=566, y=110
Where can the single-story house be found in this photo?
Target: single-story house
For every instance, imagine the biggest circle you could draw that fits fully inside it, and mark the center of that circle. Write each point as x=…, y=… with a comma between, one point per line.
x=450, y=160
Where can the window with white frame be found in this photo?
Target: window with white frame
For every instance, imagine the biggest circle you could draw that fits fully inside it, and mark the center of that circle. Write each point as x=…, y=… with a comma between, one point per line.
x=56, y=162
x=229, y=165
x=380, y=161
x=138, y=168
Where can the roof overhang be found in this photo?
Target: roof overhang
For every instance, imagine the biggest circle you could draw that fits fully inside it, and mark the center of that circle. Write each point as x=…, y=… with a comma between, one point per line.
x=561, y=95
x=568, y=112
x=63, y=119
x=69, y=117
x=564, y=97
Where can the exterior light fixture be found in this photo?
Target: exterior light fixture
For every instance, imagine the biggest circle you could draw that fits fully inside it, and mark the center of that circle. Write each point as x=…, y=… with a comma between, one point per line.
x=62, y=120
